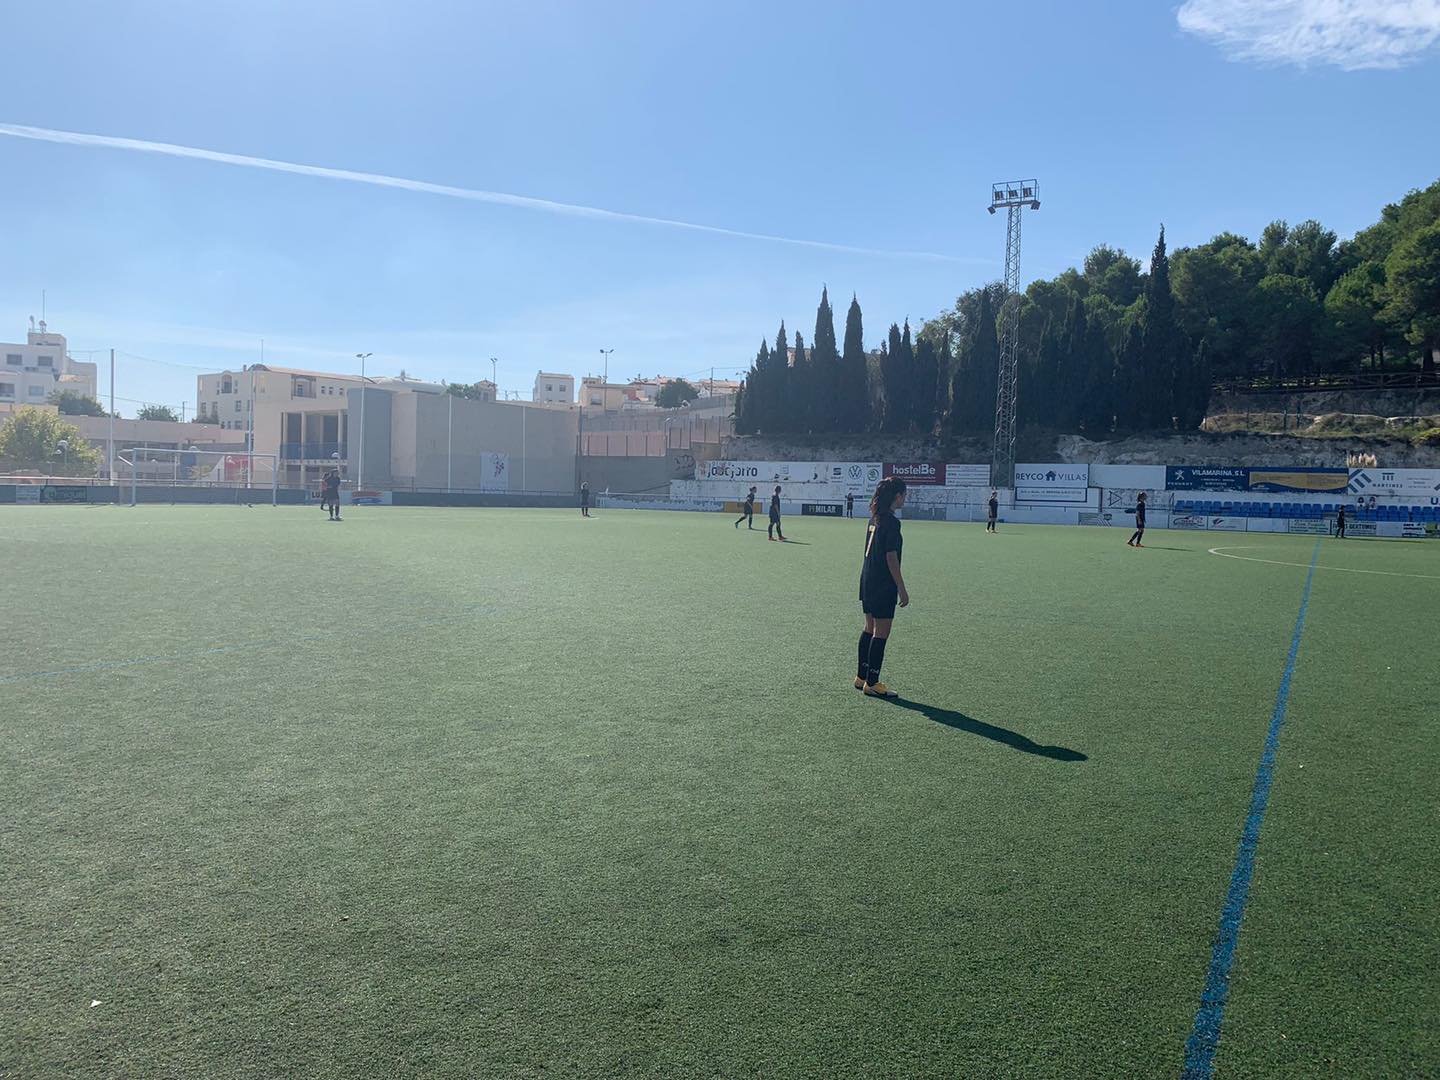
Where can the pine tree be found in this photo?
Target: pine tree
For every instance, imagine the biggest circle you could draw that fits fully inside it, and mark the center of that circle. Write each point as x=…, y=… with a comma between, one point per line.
x=1072, y=365
x=854, y=403
x=1156, y=390
x=825, y=368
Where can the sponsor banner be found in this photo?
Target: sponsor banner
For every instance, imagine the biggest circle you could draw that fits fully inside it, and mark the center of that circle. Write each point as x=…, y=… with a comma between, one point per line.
x=858, y=477
x=1187, y=521
x=916, y=472
x=50, y=493
x=1308, y=526
x=1413, y=530
x=1146, y=477
x=1225, y=524
x=494, y=471
x=1052, y=483
x=27, y=493
x=822, y=510
x=1104, y=517
x=1413, y=483
x=1361, y=528
x=1299, y=479
x=370, y=498
x=730, y=470
x=1206, y=478
x=967, y=475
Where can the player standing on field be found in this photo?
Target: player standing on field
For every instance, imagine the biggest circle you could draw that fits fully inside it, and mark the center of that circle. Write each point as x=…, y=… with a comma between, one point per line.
x=1340, y=523
x=993, y=512
x=584, y=500
x=747, y=512
x=775, y=515
x=1139, y=533
x=849, y=504
x=331, y=494
x=881, y=585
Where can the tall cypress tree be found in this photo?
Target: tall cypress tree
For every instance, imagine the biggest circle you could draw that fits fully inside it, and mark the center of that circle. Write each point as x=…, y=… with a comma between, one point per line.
x=854, y=375
x=893, y=378
x=1097, y=399
x=742, y=416
x=825, y=368
x=923, y=403
x=1160, y=335
x=1129, y=383
x=801, y=405
x=940, y=388
x=984, y=368
x=780, y=383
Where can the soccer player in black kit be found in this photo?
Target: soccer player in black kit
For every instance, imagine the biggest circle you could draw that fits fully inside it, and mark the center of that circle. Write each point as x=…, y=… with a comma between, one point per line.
x=331, y=494
x=775, y=515
x=994, y=511
x=747, y=512
x=585, y=500
x=1340, y=523
x=882, y=587
x=1139, y=533
x=849, y=504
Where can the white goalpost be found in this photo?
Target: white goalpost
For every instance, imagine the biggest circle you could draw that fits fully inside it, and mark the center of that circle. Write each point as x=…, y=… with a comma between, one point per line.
x=243, y=472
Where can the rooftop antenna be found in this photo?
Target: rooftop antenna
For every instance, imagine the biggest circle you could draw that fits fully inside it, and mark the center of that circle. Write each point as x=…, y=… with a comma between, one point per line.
x=42, y=311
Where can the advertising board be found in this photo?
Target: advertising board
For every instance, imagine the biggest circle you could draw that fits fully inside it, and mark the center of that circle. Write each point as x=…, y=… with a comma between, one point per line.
x=1362, y=528
x=916, y=472
x=1216, y=523
x=822, y=509
x=1308, y=526
x=1206, y=478
x=1413, y=530
x=1414, y=483
x=51, y=493
x=967, y=475
x=1298, y=479
x=1187, y=521
x=494, y=472
x=27, y=493
x=1058, y=483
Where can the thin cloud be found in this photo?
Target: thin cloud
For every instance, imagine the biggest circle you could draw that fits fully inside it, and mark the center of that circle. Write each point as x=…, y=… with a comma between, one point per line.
x=1349, y=34
x=500, y=198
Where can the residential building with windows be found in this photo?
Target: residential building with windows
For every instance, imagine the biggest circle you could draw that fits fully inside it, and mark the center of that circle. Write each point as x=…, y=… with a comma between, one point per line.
x=32, y=372
x=552, y=389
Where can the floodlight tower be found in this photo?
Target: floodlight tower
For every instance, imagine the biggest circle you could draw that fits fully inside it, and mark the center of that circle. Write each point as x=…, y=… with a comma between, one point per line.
x=1014, y=196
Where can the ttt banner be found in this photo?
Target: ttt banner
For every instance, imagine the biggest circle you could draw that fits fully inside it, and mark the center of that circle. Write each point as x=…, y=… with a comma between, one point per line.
x=1299, y=479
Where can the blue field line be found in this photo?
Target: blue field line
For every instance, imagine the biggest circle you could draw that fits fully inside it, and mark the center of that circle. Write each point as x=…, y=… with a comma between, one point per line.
x=271, y=643
x=1205, y=1035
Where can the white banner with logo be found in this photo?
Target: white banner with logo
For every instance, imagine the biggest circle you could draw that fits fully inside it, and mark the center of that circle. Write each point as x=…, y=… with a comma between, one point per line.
x=967, y=475
x=857, y=476
x=1187, y=521
x=1225, y=524
x=1146, y=477
x=1052, y=483
x=1402, y=483
x=494, y=472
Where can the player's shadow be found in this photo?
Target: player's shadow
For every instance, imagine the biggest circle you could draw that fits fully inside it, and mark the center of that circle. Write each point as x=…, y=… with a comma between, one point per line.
x=800, y=543
x=1013, y=739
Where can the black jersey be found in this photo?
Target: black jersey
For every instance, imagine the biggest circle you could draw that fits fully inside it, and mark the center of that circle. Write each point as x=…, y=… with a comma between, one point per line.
x=1139, y=514
x=332, y=485
x=774, y=506
x=994, y=507
x=584, y=496
x=882, y=536
x=750, y=503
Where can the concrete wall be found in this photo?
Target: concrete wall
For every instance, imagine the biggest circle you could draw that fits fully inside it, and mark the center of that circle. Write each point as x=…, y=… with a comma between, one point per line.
x=451, y=433
x=629, y=474
x=376, y=436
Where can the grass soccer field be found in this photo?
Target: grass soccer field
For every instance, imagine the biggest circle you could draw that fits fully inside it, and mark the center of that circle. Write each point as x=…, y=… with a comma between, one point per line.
x=509, y=793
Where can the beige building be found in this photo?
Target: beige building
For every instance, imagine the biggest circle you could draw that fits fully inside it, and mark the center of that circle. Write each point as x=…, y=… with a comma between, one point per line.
x=32, y=372
x=552, y=389
x=299, y=415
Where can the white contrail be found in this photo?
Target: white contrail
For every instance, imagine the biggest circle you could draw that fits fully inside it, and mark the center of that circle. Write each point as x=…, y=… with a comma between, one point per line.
x=111, y=142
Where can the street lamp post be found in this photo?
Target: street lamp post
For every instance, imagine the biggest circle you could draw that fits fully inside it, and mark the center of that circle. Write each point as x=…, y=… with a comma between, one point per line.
x=360, y=465
x=606, y=353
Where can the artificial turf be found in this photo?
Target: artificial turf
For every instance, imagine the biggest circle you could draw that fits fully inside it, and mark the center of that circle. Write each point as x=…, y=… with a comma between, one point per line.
x=510, y=793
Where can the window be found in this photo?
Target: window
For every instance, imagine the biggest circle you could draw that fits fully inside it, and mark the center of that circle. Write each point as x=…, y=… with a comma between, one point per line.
x=37, y=391
x=237, y=404
x=7, y=389
x=45, y=361
x=13, y=359
x=225, y=387
x=549, y=389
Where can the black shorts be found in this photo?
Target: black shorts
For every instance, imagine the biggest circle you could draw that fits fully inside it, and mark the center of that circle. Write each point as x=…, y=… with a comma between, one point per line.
x=879, y=602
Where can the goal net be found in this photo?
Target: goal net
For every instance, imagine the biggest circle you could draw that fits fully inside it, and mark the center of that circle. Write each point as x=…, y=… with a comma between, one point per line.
x=152, y=474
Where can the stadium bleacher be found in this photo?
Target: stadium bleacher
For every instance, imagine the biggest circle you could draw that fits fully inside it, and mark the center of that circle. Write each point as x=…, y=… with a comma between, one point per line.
x=1306, y=510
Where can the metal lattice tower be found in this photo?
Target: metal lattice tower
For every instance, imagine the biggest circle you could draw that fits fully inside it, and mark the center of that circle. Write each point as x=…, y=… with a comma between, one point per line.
x=1014, y=196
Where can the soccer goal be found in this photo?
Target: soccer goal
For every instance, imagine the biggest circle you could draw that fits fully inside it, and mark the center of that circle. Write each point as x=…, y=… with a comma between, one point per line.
x=164, y=474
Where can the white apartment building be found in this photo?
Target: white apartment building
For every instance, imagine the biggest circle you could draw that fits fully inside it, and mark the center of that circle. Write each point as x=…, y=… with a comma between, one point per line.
x=554, y=389
x=31, y=372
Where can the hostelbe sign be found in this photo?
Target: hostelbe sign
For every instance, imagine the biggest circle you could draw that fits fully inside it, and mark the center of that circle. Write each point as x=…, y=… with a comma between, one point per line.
x=916, y=472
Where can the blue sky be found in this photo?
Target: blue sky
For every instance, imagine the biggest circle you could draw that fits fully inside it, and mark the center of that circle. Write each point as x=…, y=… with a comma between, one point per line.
x=864, y=126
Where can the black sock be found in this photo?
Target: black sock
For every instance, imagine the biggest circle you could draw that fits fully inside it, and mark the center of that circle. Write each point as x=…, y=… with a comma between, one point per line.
x=864, y=668
x=877, y=657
